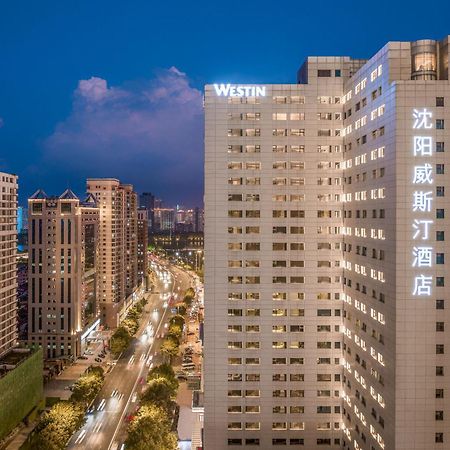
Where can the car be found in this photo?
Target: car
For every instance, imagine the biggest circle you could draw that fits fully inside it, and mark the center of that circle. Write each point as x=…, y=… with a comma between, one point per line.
x=101, y=356
x=191, y=333
x=181, y=377
x=98, y=360
x=83, y=357
x=91, y=409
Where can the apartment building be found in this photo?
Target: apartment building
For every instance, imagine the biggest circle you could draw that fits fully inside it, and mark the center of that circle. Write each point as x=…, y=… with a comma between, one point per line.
x=62, y=272
x=8, y=253
x=324, y=255
x=117, y=244
x=142, y=243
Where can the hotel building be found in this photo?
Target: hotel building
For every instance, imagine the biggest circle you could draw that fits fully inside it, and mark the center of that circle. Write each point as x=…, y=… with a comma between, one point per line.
x=62, y=272
x=8, y=253
x=117, y=245
x=325, y=224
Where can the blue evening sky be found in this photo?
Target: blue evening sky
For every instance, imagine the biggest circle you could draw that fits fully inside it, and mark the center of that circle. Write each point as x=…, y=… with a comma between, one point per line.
x=47, y=47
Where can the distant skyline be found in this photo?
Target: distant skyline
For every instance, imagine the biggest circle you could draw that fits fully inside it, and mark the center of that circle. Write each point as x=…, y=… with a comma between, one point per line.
x=108, y=89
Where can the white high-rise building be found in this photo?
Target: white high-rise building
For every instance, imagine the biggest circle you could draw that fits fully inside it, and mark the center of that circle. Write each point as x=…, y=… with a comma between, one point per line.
x=8, y=263
x=325, y=223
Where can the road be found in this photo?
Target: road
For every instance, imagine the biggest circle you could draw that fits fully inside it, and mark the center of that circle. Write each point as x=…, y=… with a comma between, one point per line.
x=105, y=428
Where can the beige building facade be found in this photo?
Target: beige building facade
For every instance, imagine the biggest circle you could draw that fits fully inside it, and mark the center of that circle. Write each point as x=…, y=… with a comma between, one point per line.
x=117, y=245
x=8, y=255
x=62, y=272
x=325, y=303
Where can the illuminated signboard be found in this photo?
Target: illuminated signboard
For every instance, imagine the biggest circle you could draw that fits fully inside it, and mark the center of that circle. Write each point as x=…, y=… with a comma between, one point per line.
x=422, y=179
x=228, y=90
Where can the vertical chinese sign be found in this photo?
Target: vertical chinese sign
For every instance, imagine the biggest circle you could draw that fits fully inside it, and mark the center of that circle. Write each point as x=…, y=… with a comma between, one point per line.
x=422, y=180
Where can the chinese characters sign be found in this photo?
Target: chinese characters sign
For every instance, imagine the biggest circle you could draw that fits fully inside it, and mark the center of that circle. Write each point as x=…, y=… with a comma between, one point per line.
x=422, y=180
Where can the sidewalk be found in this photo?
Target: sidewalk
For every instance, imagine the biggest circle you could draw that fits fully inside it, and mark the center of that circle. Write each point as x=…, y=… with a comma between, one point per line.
x=187, y=417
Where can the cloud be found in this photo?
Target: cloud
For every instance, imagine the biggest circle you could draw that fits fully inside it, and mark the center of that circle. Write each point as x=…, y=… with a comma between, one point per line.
x=149, y=133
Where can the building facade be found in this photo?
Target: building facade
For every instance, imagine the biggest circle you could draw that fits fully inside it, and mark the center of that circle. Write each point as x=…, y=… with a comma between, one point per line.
x=324, y=255
x=117, y=245
x=147, y=200
x=62, y=272
x=8, y=255
x=142, y=243
x=164, y=219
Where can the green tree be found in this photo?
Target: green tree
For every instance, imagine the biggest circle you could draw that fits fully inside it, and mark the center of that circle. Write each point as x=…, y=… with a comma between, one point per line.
x=150, y=430
x=88, y=386
x=170, y=347
x=57, y=426
x=177, y=320
x=164, y=371
x=131, y=325
x=160, y=393
x=175, y=331
x=120, y=341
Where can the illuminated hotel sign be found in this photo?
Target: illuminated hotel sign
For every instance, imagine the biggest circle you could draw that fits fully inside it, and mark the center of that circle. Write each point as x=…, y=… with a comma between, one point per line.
x=422, y=179
x=227, y=90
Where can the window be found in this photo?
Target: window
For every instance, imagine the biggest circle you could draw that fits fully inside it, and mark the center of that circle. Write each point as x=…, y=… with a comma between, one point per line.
x=440, y=124
x=439, y=437
x=440, y=213
x=439, y=101
x=439, y=393
x=337, y=72
x=440, y=258
x=321, y=73
x=440, y=169
x=440, y=147
x=440, y=326
x=440, y=236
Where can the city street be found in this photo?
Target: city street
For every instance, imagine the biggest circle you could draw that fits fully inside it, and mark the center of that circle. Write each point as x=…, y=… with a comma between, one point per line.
x=106, y=425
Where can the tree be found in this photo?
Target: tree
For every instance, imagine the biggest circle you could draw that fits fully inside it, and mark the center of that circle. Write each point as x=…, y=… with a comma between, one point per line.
x=170, y=347
x=131, y=325
x=88, y=386
x=120, y=341
x=160, y=393
x=57, y=426
x=177, y=320
x=150, y=430
x=166, y=372
x=175, y=331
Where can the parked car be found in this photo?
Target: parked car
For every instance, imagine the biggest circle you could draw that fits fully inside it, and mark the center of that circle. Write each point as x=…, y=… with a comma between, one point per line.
x=82, y=357
x=98, y=360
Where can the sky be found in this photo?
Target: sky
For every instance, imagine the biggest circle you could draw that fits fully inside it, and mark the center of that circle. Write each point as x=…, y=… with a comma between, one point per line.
x=107, y=88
